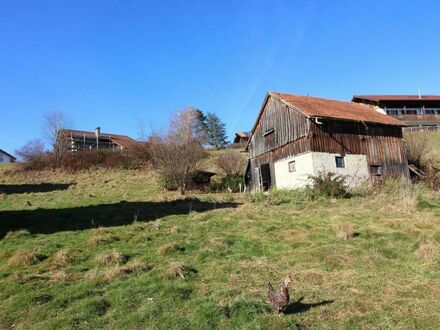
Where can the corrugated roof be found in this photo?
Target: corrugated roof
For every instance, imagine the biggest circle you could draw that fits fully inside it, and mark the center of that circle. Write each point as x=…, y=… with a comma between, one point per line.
x=378, y=98
x=327, y=108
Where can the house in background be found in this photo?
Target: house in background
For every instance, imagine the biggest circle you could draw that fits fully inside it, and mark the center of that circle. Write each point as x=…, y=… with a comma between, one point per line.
x=87, y=140
x=418, y=112
x=241, y=137
x=6, y=157
x=295, y=137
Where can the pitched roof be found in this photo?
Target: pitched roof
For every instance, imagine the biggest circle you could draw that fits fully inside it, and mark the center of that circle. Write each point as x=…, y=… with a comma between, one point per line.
x=122, y=140
x=7, y=153
x=243, y=134
x=315, y=107
x=378, y=98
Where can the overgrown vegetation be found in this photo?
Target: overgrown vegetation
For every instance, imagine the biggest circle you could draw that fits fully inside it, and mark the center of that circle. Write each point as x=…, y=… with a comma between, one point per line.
x=114, y=250
x=422, y=151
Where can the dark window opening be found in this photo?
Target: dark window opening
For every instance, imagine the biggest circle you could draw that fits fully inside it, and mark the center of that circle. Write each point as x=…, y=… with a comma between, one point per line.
x=292, y=166
x=340, y=161
x=376, y=169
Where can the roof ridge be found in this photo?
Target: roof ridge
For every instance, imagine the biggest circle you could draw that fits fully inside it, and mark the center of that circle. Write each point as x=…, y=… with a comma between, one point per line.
x=323, y=98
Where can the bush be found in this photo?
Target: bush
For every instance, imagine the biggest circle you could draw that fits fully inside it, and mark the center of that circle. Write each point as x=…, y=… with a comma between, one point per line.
x=416, y=144
x=330, y=185
x=231, y=163
x=228, y=183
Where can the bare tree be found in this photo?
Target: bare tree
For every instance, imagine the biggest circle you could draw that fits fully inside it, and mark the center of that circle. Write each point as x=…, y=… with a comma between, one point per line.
x=33, y=151
x=53, y=124
x=177, y=153
x=231, y=163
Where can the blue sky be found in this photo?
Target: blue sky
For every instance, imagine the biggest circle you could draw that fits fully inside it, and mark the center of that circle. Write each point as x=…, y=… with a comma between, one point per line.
x=113, y=63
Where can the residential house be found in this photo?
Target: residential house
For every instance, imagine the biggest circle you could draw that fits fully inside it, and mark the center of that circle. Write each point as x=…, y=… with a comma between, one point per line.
x=86, y=140
x=418, y=112
x=6, y=157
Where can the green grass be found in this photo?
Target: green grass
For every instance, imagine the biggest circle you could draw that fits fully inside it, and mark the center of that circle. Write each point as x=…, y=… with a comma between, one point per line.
x=114, y=251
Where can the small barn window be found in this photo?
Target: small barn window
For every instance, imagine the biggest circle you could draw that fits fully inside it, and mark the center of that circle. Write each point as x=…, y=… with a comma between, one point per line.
x=340, y=161
x=269, y=131
x=376, y=169
x=292, y=166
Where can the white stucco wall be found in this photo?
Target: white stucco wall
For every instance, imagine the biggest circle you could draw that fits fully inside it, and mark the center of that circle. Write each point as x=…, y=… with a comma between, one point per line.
x=311, y=163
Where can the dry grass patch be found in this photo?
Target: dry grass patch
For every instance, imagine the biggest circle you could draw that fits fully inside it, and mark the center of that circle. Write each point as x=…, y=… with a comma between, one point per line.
x=98, y=236
x=174, y=230
x=113, y=257
x=179, y=270
x=17, y=234
x=428, y=249
x=169, y=248
x=345, y=231
x=117, y=271
x=155, y=225
x=61, y=276
x=25, y=258
x=60, y=259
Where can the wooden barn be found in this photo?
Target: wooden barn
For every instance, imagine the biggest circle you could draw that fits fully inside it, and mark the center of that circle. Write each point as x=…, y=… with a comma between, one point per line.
x=297, y=136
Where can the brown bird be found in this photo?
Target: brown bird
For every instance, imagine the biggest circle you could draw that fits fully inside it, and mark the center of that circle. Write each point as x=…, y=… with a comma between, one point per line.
x=280, y=300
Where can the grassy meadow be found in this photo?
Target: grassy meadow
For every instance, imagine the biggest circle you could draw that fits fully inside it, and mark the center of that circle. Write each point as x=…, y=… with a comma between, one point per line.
x=110, y=249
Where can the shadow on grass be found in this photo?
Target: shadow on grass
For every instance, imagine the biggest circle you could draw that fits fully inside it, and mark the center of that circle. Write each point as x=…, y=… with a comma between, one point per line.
x=47, y=221
x=9, y=189
x=299, y=307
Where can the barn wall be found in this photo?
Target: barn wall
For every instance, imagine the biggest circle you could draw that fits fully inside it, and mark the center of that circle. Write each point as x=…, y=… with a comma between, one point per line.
x=5, y=158
x=383, y=144
x=288, y=125
x=314, y=163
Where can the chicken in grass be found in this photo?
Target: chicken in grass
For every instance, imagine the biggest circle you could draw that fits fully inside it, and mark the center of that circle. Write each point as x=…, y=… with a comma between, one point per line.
x=279, y=300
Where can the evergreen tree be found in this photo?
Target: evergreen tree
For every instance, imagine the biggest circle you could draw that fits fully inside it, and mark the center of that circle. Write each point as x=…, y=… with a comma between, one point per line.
x=202, y=127
x=215, y=131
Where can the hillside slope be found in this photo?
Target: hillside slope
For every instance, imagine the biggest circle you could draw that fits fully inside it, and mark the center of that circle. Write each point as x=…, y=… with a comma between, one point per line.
x=110, y=249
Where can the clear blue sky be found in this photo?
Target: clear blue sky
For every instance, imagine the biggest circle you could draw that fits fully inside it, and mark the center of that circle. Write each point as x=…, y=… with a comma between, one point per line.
x=111, y=63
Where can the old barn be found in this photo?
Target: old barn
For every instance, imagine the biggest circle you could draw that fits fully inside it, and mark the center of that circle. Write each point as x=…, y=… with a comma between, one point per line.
x=296, y=136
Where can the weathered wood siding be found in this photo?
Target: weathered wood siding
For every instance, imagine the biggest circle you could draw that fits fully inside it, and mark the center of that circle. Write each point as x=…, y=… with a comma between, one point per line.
x=289, y=137
x=288, y=125
x=383, y=144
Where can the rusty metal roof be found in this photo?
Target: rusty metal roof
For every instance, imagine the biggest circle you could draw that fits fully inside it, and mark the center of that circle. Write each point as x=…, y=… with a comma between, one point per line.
x=317, y=107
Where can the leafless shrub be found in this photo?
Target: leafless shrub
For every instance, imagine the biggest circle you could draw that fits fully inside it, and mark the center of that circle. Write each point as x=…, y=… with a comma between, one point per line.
x=416, y=143
x=231, y=163
x=176, y=155
x=32, y=152
x=53, y=124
